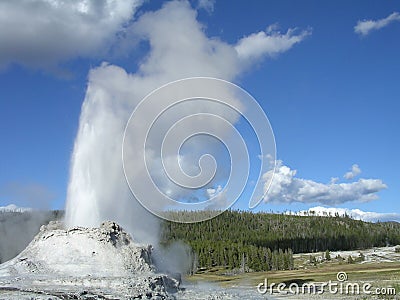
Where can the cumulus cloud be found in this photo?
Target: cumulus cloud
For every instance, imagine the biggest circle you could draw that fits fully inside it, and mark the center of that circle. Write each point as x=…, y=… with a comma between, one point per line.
x=366, y=26
x=268, y=43
x=43, y=33
x=357, y=214
x=287, y=188
x=179, y=46
x=355, y=171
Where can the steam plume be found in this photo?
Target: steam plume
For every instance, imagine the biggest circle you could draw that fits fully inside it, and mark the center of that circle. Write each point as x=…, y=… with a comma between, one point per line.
x=179, y=48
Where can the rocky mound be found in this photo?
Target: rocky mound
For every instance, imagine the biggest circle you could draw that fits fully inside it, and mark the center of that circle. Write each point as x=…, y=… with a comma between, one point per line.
x=84, y=263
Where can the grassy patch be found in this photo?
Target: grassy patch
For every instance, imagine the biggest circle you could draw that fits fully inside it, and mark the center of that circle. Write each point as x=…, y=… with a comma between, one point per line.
x=381, y=274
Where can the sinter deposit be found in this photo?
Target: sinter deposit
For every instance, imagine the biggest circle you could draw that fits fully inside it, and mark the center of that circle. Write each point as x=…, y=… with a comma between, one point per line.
x=84, y=263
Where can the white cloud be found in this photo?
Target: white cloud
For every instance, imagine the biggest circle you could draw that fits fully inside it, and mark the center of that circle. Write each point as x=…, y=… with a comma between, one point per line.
x=355, y=171
x=268, y=43
x=366, y=26
x=219, y=195
x=43, y=33
x=353, y=213
x=211, y=192
x=207, y=5
x=179, y=45
x=334, y=180
x=287, y=188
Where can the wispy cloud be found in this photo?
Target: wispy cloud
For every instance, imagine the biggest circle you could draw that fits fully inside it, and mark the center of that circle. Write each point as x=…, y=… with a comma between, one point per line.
x=207, y=5
x=366, y=26
x=287, y=188
x=269, y=42
x=353, y=213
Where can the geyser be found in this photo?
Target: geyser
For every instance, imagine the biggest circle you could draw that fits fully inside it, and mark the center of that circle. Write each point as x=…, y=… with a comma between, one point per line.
x=178, y=48
x=97, y=188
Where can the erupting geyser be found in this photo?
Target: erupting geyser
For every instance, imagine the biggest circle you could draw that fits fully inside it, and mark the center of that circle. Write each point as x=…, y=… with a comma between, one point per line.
x=178, y=49
x=97, y=189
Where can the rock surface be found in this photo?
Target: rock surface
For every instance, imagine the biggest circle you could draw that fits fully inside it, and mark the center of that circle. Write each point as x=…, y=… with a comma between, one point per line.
x=84, y=263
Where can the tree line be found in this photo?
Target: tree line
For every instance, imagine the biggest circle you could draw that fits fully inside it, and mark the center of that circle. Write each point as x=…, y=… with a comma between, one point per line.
x=264, y=241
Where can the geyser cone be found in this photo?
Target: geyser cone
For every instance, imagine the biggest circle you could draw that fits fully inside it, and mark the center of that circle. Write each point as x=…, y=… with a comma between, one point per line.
x=98, y=261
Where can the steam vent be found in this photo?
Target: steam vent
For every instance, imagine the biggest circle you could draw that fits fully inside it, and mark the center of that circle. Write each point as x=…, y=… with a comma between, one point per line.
x=83, y=263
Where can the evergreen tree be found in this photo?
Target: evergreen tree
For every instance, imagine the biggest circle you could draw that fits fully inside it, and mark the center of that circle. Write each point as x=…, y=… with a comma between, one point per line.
x=327, y=255
x=265, y=241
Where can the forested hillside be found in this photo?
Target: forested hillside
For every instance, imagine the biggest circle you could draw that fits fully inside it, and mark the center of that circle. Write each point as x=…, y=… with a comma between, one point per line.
x=236, y=240
x=264, y=241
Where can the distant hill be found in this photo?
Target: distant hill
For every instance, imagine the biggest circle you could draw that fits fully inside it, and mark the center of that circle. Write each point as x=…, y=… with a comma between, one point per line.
x=14, y=208
x=237, y=238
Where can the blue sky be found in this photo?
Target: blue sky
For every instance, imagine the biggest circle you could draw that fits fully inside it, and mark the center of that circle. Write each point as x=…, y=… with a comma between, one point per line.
x=332, y=98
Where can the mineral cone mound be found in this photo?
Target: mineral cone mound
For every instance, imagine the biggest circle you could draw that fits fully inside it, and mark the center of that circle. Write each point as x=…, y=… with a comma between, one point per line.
x=84, y=263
